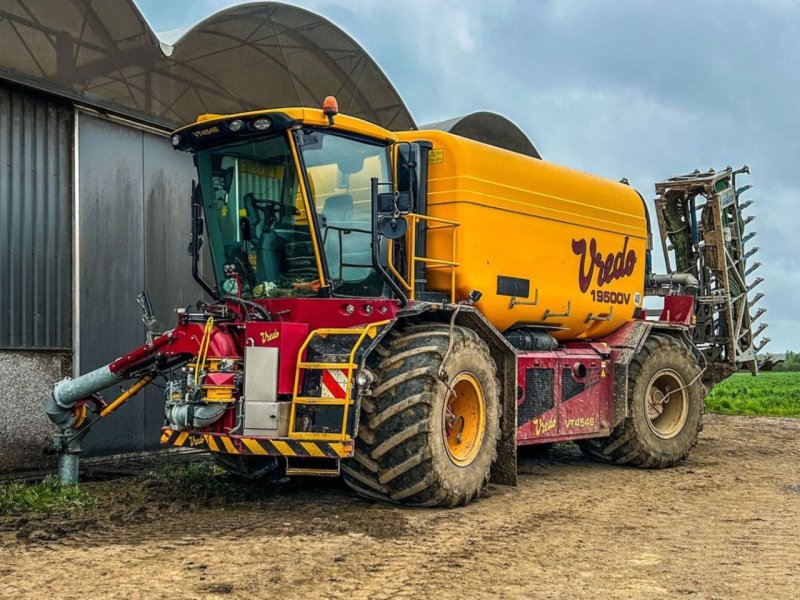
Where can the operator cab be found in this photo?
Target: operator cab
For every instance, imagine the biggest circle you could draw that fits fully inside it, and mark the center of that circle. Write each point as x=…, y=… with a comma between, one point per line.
x=287, y=203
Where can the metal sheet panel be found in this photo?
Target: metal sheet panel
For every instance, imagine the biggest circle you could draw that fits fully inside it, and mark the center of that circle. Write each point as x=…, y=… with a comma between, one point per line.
x=167, y=208
x=35, y=220
x=167, y=265
x=111, y=255
x=134, y=232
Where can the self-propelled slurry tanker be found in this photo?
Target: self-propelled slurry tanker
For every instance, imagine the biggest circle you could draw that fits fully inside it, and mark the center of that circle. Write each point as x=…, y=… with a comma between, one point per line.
x=407, y=308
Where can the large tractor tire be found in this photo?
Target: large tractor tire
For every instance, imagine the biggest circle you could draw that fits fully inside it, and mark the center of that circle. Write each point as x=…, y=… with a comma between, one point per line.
x=665, y=409
x=426, y=440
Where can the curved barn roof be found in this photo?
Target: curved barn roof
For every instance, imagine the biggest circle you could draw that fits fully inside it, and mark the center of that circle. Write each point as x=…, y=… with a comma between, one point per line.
x=252, y=56
x=489, y=128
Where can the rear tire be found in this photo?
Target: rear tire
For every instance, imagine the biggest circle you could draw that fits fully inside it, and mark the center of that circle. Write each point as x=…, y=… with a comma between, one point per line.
x=665, y=409
x=418, y=443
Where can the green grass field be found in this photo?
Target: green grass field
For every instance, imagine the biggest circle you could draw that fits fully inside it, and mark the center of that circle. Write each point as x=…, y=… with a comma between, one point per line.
x=769, y=394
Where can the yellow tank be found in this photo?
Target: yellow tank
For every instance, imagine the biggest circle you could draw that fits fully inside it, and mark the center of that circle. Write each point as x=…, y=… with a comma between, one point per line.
x=544, y=244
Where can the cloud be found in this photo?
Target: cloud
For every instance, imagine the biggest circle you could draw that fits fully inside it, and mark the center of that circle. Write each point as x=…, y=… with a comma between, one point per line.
x=642, y=90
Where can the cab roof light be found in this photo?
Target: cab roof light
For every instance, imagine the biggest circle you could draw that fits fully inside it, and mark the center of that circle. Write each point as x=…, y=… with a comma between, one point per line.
x=330, y=108
x=262, y=124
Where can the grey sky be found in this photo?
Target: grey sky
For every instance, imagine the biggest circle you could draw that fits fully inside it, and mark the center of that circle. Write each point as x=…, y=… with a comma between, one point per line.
x=629, y=88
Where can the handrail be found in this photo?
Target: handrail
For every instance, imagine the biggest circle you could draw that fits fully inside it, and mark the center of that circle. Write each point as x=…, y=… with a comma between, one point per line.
x=451, y=264
x=368, y=329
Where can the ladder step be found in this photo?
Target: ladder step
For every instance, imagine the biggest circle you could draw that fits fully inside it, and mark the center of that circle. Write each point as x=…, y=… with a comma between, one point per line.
x=344, y=330
x=317, y=436
x=322, y=467
x=323, y=401
x=324, y=365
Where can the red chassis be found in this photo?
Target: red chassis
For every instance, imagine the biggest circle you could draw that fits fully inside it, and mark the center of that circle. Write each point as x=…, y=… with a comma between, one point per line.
x=564, y=394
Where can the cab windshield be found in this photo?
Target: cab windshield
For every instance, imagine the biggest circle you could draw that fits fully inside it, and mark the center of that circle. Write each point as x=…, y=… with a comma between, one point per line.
x=258, y=227
x=339, y=170
x=257, y=224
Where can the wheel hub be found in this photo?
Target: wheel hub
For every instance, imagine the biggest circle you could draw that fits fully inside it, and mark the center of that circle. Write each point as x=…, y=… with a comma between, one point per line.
x=666, y=403
x=464, y=419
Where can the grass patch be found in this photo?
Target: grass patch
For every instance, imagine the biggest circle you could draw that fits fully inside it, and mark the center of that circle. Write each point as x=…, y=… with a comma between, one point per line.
x=199, y=477
x=771, y=394
x=47, y=495
x=202, y=480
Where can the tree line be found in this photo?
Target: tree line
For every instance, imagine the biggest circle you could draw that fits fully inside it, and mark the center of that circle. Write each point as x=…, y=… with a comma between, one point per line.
x=790, y=363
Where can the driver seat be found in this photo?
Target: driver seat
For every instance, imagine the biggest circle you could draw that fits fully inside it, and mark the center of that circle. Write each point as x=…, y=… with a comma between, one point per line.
x=337, y=212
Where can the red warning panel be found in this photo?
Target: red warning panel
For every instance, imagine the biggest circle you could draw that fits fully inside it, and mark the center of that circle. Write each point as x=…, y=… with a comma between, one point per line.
x=334, y=383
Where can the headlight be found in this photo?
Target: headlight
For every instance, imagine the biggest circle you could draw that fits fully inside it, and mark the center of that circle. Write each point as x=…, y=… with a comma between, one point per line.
x=364, y=377
x=236, y=125
x=176, y=140
x=262, y=123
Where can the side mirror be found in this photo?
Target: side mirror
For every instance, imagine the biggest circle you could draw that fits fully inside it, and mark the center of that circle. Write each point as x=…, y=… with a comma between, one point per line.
x=391, y=208
x=387, y=222
x=392, y=227
x=198, y=223
x=197, y=239
x=406, y=167
x=390, y=203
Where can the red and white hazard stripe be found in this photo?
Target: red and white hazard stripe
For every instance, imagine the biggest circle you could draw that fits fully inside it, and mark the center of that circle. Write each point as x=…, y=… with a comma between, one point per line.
x=334, y=383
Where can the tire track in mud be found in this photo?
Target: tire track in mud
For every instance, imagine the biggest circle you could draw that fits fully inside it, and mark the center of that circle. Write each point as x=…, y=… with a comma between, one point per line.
x=725, y=524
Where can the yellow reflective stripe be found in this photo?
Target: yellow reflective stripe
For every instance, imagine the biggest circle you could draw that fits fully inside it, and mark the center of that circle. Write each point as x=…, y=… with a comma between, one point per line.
x=312, y=449
x=229, y=447
x=165, y=436
x=283, y=448
x=253, y=446
x=212, y=443
x=181, y=438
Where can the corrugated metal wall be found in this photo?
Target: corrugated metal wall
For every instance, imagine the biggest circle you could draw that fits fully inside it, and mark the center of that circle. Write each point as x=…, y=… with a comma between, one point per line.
x=134, y=230
x=35, y=220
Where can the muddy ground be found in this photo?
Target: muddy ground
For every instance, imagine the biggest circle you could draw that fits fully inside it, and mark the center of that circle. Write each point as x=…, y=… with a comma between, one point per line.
x=726, y=524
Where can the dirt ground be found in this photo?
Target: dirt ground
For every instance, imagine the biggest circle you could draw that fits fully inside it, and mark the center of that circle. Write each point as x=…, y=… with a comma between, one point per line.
x=726, y=524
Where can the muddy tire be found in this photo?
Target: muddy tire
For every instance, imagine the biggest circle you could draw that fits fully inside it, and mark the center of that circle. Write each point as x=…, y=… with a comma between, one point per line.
x=665, y=409
x=266, y=468
x=418, y=443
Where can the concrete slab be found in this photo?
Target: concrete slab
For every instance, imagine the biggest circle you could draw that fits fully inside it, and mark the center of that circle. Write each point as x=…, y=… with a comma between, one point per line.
x=26, y=378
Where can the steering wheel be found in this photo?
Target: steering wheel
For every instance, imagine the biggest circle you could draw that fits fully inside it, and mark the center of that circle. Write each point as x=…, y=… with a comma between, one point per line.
x=263, y=204
x=271, y=209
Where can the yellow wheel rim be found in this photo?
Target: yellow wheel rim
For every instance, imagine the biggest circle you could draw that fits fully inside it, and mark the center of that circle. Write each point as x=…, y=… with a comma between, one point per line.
x=464, y=419
x=667, y=404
